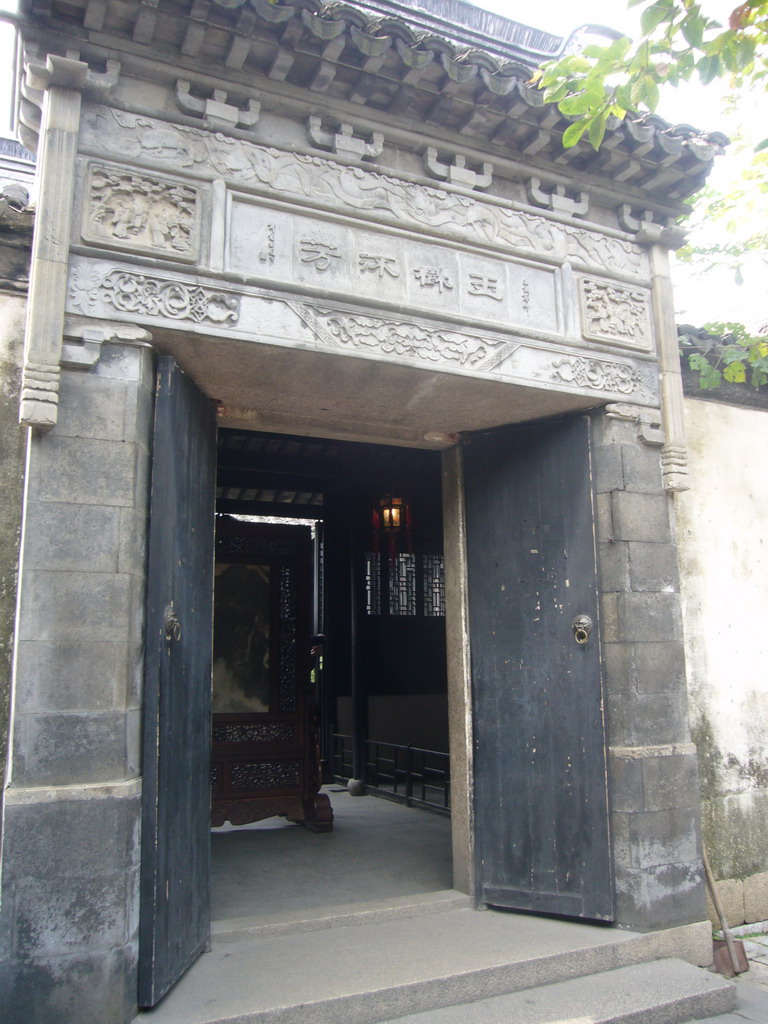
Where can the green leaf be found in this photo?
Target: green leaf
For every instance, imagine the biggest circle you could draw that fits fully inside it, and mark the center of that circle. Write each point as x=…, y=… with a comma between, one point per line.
x=709, y=68
x=736, y=373
x=581, y=103
x=596, y=130
x=693, y=30
x=653, y=16
x=573, y=133
x=651, y=92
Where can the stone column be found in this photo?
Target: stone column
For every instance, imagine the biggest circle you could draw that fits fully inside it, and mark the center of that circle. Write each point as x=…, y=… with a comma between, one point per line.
x=71, y=835
x=652, y=762
x=57, y=86
x=459, y=673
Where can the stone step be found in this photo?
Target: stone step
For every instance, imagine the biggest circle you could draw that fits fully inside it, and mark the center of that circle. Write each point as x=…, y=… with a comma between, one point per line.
x=369, y=972
x=659, y=992
x=235, y=929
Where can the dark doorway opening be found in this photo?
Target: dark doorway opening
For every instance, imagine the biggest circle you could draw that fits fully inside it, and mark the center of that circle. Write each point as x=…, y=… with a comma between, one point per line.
x=371, y=644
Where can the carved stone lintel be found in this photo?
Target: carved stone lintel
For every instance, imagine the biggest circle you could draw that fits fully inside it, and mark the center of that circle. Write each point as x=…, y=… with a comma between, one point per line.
x=457, y=173
x=557, y=200
x=216, y=111
x=39, y=405
x=344, y=142
x=674, y=467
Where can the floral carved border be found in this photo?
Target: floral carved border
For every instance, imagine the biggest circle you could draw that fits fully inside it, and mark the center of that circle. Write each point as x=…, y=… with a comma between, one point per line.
x=143, y=295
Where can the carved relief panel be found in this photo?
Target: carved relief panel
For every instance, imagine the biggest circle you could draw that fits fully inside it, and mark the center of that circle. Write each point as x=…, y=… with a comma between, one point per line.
x=141, y=213
x=615, y=314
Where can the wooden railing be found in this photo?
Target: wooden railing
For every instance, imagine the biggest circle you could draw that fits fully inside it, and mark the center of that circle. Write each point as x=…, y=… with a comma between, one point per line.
x=410, y=775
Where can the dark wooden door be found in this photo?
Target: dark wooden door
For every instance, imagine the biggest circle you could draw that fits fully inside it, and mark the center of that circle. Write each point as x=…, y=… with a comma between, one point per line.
x=174, y=921
x=540, y=791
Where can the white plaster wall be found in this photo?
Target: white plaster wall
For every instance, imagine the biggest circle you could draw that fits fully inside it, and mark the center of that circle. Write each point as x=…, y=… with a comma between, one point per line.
x=723, y=550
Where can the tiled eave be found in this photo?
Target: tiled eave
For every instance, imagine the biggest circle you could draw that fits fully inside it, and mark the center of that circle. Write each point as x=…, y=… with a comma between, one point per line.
x=381, y=65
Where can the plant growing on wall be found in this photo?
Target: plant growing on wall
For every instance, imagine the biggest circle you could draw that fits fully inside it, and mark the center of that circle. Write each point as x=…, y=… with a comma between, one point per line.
x=680, y=42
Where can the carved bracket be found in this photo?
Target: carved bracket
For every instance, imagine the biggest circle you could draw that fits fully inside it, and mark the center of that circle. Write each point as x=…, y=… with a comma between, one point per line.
x=648, y=232
x=216, y=111
x=344, y=142
x=557, y=200
x=71, y=73
x=647, y=421
x=457, y=173
x=82, y=345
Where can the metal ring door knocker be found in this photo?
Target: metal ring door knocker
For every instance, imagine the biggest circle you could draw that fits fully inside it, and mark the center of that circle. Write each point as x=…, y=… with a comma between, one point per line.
x=172, y=624
x=582, y=627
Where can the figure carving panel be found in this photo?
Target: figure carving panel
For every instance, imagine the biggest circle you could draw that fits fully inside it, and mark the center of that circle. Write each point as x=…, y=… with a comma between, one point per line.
x=126, y=210
x=338, y=187
x=615, y=314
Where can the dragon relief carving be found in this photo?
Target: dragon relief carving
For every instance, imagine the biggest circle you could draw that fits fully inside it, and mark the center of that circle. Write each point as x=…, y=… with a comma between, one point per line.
x=615, y=314
x=142, y=295
x=134, y=211
x=348, y=188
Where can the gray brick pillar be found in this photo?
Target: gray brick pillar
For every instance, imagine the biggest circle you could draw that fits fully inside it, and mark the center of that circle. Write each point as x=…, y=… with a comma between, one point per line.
x=652, y=763
x=71, y=853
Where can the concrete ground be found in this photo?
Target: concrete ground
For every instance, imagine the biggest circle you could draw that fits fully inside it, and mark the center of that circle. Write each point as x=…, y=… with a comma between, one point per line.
x=377, y=850
x=752, y=987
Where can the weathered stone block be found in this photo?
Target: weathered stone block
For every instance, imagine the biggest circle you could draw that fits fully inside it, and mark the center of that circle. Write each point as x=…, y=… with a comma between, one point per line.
x=604, y=517
x=647, y=719
x=609, y=618
x=664, y=837
x=660, y=897
x=756, y=897
x=653, y=567
x=78, y=989
x=127, y=362
x=67, y=749
x=625, y=777
x=661, y=718
x=730, y=896
x=77, y=606
x=642, y=468
x=57, y=916
x=620, y=842
x=65, y=838
x=66, y=536
x=670, y=781
x=660, y=666
x=613, y=565
x=649, y=617
x=131, y=549
x=65, y=676
x=88, y=408
x=609, y=472
x=83, y=471
x=640, y=516
x=619, y=667
x=139, y=415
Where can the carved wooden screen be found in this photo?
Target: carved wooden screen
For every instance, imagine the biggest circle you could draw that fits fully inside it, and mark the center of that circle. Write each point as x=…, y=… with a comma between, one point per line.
x=265, y=758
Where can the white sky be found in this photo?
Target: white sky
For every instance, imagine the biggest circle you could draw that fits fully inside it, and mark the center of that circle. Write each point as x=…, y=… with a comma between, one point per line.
x=713, y=297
